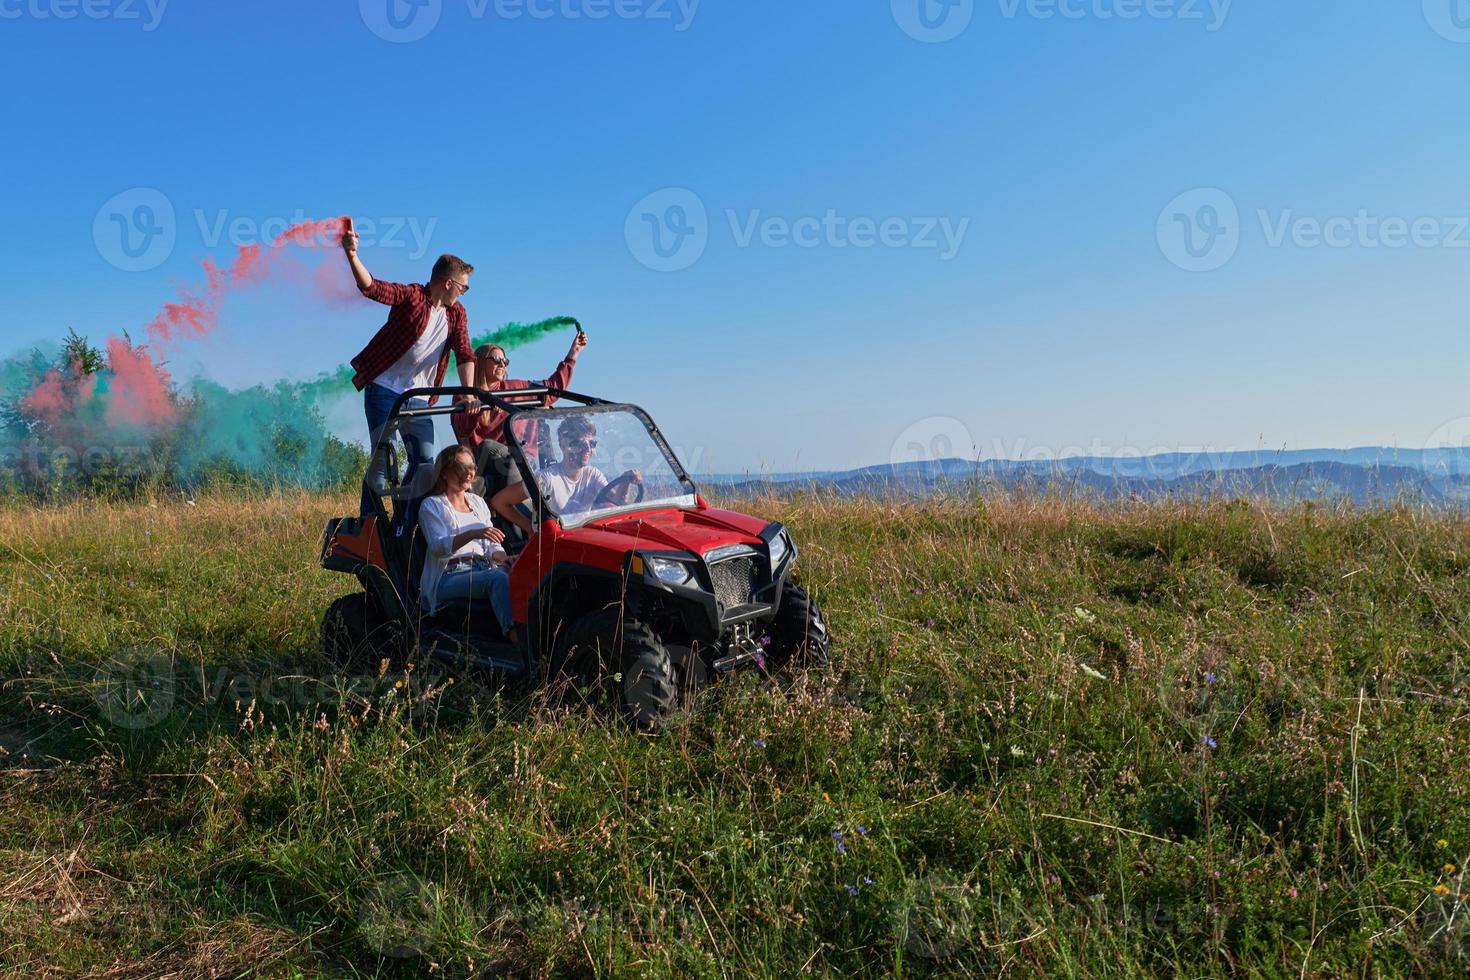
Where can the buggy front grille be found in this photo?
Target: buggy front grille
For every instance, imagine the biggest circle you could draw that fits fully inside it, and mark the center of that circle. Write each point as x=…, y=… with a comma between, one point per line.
x=734, y=581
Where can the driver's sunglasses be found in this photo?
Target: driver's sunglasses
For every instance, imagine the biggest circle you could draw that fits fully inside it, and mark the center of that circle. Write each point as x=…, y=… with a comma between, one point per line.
x=582, y=444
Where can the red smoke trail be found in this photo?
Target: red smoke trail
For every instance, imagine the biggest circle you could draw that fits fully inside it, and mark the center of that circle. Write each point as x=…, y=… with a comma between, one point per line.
x=136, y=391
x=195, y=315
x=50, y=399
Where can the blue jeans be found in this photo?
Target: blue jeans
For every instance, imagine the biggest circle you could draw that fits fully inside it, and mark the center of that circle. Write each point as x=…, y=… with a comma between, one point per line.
x=479, y=582
x=417, y=435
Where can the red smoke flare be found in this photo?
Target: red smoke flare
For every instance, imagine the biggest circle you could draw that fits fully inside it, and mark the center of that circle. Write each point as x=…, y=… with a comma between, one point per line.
x=195, y=316
x=137, y=390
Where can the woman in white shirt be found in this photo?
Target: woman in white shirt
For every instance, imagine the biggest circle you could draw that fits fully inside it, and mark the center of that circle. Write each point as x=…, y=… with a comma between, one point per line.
x=465, y=559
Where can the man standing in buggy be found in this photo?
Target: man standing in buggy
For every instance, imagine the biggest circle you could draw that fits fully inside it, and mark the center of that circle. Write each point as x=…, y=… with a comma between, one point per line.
x=411, y=350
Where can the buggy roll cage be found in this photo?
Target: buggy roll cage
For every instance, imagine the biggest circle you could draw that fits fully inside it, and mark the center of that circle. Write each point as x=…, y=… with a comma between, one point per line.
x=511, y=401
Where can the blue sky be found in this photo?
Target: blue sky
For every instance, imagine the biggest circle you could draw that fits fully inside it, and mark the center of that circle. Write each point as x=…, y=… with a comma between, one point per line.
x=1066, y=147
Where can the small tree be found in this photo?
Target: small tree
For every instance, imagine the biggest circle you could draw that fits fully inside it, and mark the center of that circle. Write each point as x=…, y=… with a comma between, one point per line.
x=80, y=357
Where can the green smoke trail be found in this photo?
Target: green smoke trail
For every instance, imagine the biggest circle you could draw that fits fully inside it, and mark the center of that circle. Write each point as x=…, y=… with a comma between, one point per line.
x=512, y=335
x=276, y=431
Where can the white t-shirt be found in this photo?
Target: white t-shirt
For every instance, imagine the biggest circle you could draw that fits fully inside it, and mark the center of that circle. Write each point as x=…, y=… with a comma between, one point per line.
x=568, y=496
x=417, y=368
x=440, y=524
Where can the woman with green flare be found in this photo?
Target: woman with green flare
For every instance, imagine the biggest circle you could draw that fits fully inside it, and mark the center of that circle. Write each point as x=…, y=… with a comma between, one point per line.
x=484, y=433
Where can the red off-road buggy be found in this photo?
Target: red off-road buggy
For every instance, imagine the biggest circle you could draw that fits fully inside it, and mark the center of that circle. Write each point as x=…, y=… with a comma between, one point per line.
x=635, y=599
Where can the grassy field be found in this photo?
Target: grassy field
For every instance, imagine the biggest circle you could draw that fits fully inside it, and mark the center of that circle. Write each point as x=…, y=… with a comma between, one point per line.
x=1055, y=740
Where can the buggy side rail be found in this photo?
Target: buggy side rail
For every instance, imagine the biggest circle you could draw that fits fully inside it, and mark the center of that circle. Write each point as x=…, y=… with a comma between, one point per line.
x=507, y=400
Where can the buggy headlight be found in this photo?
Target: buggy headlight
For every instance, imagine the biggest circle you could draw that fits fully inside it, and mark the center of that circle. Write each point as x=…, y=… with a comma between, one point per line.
x=780, y=548
x=671, y=571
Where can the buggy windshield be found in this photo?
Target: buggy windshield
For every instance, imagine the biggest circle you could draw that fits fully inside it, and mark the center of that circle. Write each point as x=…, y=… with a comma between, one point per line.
x=592, y=462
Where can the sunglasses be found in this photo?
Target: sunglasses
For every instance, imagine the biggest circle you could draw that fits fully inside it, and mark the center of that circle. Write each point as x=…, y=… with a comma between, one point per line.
x=502, y=361
x=582, y=444
x=463, y=287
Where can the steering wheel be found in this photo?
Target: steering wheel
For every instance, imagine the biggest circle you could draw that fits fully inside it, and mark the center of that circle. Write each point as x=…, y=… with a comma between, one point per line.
x=615, y=494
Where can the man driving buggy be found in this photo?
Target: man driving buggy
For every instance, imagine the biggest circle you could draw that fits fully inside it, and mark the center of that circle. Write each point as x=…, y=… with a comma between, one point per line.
x=571, y=485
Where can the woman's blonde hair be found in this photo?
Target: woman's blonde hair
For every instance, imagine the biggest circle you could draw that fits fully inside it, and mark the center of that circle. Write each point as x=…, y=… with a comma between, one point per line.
x=443, y=462
x=482, y=354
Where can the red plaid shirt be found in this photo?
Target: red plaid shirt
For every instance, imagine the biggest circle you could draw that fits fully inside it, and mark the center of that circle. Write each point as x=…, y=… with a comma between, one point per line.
x=407, y=320
x=471, y=430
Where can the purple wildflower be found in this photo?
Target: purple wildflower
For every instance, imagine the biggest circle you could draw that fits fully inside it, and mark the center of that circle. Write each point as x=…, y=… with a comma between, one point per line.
x=765, y=641
x=1210, y=742
x=861, y=830
x=1210, y=678
x=841, y=847
x=852, y=891
x=760, y=661
x=759, y=743
x=867, y=880
x=929, y=623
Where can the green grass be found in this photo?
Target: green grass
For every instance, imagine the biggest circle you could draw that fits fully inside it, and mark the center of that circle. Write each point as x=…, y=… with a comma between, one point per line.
x=1080, y=741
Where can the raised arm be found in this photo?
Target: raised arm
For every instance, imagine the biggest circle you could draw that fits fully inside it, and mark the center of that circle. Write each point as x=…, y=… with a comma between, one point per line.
x=359, y=271
x=378, y=290
x=562, y=376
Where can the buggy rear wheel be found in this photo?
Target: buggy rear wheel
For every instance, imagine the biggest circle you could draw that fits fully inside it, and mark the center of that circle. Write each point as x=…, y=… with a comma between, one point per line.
x=354, y=634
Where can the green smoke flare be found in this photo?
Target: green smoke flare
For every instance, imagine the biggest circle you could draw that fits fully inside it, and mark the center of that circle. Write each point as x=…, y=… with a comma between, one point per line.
x=515, y=334
x=275, y=432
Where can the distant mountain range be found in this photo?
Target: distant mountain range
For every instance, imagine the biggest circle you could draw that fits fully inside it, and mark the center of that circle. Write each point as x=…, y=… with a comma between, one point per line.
x=1369, y=476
